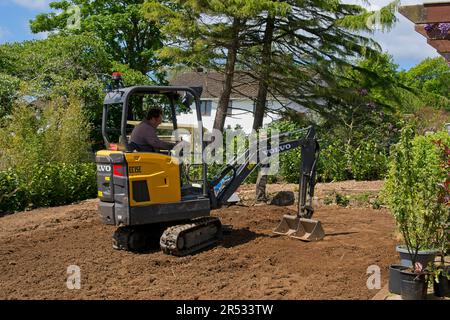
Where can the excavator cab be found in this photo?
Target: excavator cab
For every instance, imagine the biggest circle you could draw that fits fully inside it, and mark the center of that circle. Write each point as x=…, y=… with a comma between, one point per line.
x=151, y=195
x=139, y=189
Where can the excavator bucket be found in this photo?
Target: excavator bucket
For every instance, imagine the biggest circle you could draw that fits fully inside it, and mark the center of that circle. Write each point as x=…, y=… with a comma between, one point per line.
x=300, y=228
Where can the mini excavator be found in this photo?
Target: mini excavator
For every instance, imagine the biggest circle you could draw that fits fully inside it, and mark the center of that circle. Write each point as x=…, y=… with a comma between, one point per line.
x=149, y=196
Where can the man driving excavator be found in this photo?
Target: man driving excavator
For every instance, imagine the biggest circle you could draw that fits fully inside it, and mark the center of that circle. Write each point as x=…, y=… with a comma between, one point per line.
x=144, y=137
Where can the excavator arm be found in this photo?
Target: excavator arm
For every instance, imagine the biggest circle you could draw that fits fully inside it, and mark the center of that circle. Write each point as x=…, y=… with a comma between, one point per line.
x=240, y=170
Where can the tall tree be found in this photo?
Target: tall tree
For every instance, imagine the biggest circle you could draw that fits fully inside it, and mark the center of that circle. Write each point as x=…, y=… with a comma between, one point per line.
x=128, y=36
x=209, y=34
x=431, y=75
x=57, y=66
x=306, y=46
x=60, y=66
x=266, y=64
x=293, y=48
x=232, y=48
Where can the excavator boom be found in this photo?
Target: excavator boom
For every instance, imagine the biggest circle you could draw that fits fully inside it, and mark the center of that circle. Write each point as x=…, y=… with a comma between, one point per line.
x=301, y=226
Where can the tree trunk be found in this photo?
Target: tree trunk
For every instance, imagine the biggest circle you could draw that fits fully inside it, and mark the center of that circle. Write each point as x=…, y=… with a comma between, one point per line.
x=224, y=101
x=266, y=60
x=261, y=99
x=261, y=183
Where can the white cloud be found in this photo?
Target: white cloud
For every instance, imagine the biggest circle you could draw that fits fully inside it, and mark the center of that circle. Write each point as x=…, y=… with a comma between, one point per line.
x=403, y=42
x=4, y=33
x=32, y=4
x=41, y=35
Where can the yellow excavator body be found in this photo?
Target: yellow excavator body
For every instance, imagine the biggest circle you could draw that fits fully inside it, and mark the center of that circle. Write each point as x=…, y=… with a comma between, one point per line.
x=153, y=178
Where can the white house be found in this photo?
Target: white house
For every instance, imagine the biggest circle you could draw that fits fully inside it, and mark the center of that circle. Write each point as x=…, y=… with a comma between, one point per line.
x=242, y=104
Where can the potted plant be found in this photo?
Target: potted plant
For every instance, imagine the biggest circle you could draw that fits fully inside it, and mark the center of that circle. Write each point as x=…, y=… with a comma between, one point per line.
x=412, y=193
x=395, y=278
x=439, y=275
x=439, y=272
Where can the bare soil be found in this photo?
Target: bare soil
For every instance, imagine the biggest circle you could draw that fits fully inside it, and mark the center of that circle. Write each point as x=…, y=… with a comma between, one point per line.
x=251, y=263
x=322, y=189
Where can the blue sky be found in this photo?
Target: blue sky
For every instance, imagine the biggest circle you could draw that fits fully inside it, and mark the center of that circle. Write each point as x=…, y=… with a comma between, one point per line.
x=15, y=16
x=407, y=46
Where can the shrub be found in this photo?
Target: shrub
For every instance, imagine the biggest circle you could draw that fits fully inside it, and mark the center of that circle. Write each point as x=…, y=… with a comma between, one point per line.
x=412, y=188
x=43, y=155
x=368, y=162
x=52, y=184
x=12, y=194
x=333, y=163
x=327, y=201
x=338, y=160
x=59, y=184
x=342, y=200
x=290, y=165
x=8, y=88
x=58, y=131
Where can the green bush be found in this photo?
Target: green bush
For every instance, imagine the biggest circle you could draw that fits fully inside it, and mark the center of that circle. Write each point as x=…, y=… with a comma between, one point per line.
x=342, y=200
x=368, y=162
x=413, y=187
x=12, y=194
x=56, y=132
x=59, y=184
x=8, y=90
x=338, y=160
x=52, y=184
x=290, y=165
x=44, y=154
x=333, y=163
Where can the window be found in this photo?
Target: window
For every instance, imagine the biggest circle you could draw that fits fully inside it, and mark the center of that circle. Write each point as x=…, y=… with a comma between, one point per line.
x=230, y=108
x=206, y=107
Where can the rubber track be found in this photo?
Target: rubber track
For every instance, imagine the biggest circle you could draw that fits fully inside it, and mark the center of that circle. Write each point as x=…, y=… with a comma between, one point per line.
x=122, y=239
x=170, y=237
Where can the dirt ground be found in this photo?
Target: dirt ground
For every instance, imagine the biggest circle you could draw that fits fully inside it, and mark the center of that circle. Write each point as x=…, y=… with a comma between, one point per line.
x=322, y=189
x=251, y=263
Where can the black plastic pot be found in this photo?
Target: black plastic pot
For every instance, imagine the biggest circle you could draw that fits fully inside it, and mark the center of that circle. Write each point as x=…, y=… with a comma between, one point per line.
x=413, y=286
x=414, y=290
x=423, y=256
x=395, y=278
x=441, y=289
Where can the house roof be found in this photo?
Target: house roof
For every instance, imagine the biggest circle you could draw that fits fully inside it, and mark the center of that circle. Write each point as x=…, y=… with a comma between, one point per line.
x=244, y=86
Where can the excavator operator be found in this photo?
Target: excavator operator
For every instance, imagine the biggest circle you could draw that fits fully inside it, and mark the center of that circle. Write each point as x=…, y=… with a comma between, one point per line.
x=144, y=137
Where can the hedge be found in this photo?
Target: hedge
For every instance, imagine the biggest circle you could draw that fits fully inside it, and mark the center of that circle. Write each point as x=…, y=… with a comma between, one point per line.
x=51, y=184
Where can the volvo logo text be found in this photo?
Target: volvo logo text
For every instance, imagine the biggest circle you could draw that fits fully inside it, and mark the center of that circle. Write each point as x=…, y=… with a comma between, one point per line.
x=103, y=168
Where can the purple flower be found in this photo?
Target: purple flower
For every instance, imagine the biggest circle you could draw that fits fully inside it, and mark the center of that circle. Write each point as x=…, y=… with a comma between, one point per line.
x=363, y=92
x=444, y=28
x=371, y=105
x=429, y=27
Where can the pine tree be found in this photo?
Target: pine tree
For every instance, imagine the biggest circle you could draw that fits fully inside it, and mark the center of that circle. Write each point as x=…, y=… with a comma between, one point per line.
x=209, y=33
x=296, y=60
x=307, y=47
